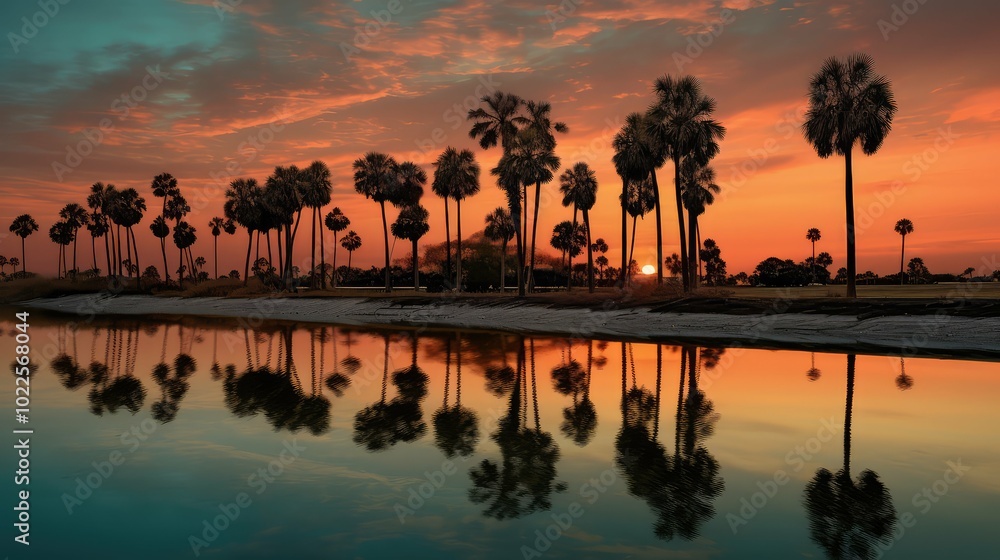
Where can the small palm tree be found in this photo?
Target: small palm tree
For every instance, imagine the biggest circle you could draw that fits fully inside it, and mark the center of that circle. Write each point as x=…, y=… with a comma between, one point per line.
x=456, y=174
x=579, y=188
x=903, y=227
x=76, y=216
x=849, y=104
x=165, y=186
x=336, y=222
x=219, y=225
x=23, y=226
x=243, y=199
x=636, y=159
x=500, y=227
x=640, y=200
x=351, y=242
x=184, y=238
x=697, y=192
x=813, y=236
x=411, y=224
x=161, y=230
x=376, y=176
x=97, y=225
x=99, y=200
x=62, y=233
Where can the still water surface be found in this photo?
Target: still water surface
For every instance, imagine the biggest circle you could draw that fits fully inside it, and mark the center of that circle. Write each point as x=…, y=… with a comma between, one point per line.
x=296, y=441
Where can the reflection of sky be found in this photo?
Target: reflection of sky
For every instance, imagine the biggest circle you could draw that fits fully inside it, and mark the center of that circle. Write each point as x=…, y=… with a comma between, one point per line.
x=337, y=497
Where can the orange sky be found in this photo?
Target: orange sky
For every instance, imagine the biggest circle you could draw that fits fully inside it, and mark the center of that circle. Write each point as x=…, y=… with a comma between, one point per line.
x=402, y=87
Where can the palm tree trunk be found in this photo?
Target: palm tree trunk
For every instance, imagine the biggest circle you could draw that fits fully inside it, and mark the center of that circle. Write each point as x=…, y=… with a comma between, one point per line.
x=350, y=255
x=270, y=258
x=138, y=267
x=312, y=251
x=631, y=250
x=534, y=231
x=93, y=248
x=590, y=253
x=447, y=241
x=107, y=252
x=622, y=277
x=416, y=268
x=281, y=250
x=322, y=251
x=686, y=275
x=851, y=359
x=852, y=268
x=659, y=230
x=385, y=239
x=520, y=251
x=458, y=256
x=569, y=260
x=246, y=266
x=75, y=232
x=118, y=237
x=659, y=377
x=333, y=277
x=524, y=212
x=692, y=250
x=503, y=266
x=24, y=259
x=902, y=257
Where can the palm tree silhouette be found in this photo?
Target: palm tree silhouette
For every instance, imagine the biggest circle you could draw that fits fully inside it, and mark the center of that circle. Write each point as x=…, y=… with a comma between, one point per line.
x=61, y=233
x=243, y=198
x=284, y=193
x=316, y=195
x=456, y=427
x=351, y=242
x=903, y=227
x=579, y=419
x=99, y=201
x=636, y=158
x=813, y=235
x=376, y=177
x=579, y=188
x=640, y=199
x=681, y=120
x=23, y=226
x=336, y=222
x=184, y=238
x=217, y=225
x=813, y=373
x=849, y=518
x=76, y=216
x=411, y=224
x=509, y=181
x=457, y=173
x=497, y=122
x=500, y=227
x=848, y=104
x=903, y=381
x=164, y=186
x=540, y=128
x=698, y=190
x=381, y=425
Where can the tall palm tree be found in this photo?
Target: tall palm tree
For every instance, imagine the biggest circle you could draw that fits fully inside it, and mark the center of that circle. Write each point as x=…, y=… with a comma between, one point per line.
x=98, y=200
x=640, y=199
x=411, y=224
x=497, y=121
x=76, y=216
x=219, y=225
x=97, y=225
x=813, y=235
x=636, y=159
x=62, y=233
x=538, y=123
x=285, y=190
x=161, y=230
x=849, y=104
x=500, y=227
x=681, y=119
x=316, y=195
x=184, y=238
x=23, y=226
x=176, y=208
x=132, y=206
x=352, y=242
x=903, y=227
x=336, y=222
x=509, y=181
x=376, y=176
x=698, y=190
x=243, y=207
x=579, y=188
x=164, y=186
x=456, y=176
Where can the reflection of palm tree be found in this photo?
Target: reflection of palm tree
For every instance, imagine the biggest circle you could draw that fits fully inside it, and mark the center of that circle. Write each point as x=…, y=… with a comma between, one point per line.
x=384, y=424
x=580, y=418
x=849, y=518
x=456, y=428
x=903, y=381
x=124, y=390
x=813, y=373
x=524, y=479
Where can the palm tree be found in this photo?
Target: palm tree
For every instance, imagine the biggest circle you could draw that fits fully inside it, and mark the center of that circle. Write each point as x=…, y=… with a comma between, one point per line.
x=456, y=175
x=76, y=216
x=849, y=104
x=164, y=186
x=510, y=183
x=698, y=190
x=243, y=207
x=284, y=197
x=336, y=222
x=640, y=199
x=500, y=227
x=184, y=238
x=23, y=226
x=97, y=225
x=681, y=120
x=813, y=236
x=132, y=206
x=161, y=230
x=540, y=126
x=636, y=159
x=497, y=122
x=219, y=225
x=411, y=224
x=579, y=188
x=903, y=227
x=61, y=233
x=376, y=177
x=316, y=195
x=98, y=200
x=175, y=208
x=351, y=242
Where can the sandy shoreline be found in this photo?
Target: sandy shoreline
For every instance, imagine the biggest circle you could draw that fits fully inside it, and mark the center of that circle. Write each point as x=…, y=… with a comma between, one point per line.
x=907, y=334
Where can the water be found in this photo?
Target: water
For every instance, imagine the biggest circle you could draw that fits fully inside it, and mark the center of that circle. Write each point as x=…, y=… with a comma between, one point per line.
x=181, y=438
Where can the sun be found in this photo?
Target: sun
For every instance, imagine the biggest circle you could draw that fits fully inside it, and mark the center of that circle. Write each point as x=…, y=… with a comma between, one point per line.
x=648, y=269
